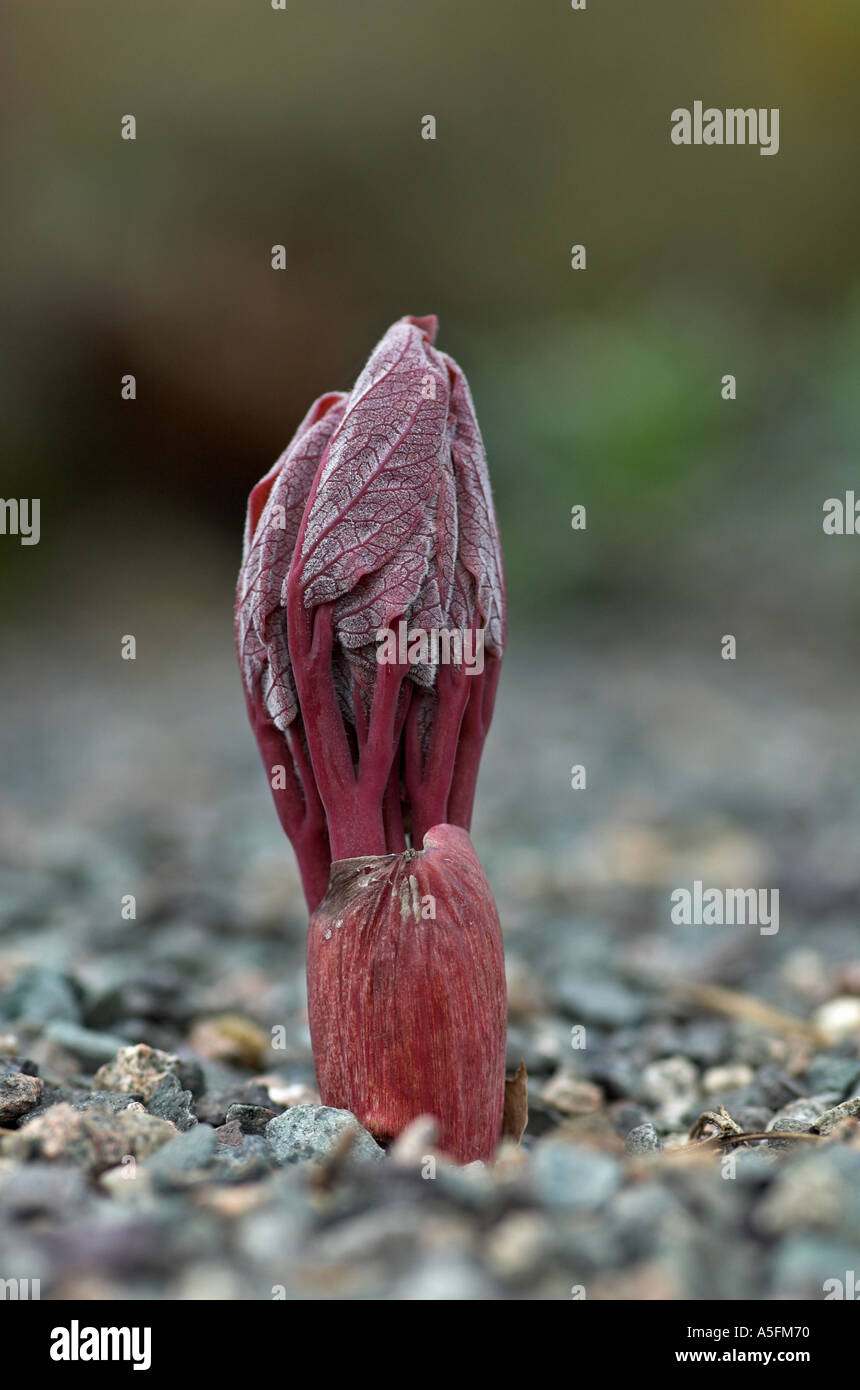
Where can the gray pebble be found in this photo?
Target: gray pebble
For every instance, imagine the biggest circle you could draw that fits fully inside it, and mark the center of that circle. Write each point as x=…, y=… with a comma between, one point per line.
x=252, y=1118
x=444, y=1279
x=574, y=1178
x=598, y=1000
x=212, y=1107
x=834, y=1073
x=644, y=1139
x=172, y=1103
x=787, y=1124
x=310, y=1133
x=83, y=1043
x=626, y=1115
x=706, y=1041
x=41, y=995
x=641, y=1217
x=672, y=1084
x=619, y=1076
x=753, y=1119
x=849, y=1109
x=807, y=1110
x=105, y=1102
x=248, y=1160
x=37, y=1191
x=776, y=1089
x=180, y=1162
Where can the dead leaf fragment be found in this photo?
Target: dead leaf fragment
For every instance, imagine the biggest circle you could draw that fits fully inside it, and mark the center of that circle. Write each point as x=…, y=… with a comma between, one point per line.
x=516, y=1113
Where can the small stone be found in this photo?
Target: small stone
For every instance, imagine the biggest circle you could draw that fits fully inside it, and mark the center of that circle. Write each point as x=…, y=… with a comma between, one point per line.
x=172, y=1103
x=642, y=1213
x=229, y=1135
x=753, y=1119
x=244, y=1157
x=395, y=1230
x=287, y=1093
x=727, y=1078
x=787, y=1126
x=231, y=1038
x=142, y=996
x=705, y=1041
x=444, y=1278
x=235, y=1201
x=802, y=1112
x=526, y=990
x=775, y=1087
x=94, y=1140
x=252, y=1119
x=573, y=1178
x=650, y=1281
x=469, y=1185
x=191, y=1077
x=848, y=1110
x=107, y=1102
x=41, y=995
x=309, y=1133
x=672, y=1084
x=416, y=1143
x=806, y=972
x=83, y=1043
x=618, y=1076
x=18, y=1094
x=517, y=1246
x=597, y=1000
x=571, y=1094
x=185, y=1159
x=678, y=1139
x=140, y=1068
x=512, y=1162
x=625, y=1115
x=212, y=1107
x=126, y=1183
x=542, y=1043
x=834, y=1073
x=644, y=1139
x=42, y=1192
x=839, y=1018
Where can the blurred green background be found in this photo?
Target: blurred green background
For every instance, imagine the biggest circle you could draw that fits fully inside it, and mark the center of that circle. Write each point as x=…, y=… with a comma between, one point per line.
x=602, y=387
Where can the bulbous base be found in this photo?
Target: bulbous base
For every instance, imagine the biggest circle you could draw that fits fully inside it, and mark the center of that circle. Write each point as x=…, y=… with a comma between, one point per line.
x=406, y=993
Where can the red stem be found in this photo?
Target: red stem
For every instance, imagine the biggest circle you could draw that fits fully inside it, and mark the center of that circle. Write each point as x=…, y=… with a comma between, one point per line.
x=476, y=722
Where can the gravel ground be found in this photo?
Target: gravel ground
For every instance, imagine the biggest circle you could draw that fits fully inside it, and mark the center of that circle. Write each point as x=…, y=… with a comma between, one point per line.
x=160, y=1132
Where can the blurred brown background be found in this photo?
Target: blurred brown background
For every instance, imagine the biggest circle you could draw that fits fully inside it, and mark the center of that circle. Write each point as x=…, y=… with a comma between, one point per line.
x=302, y=127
